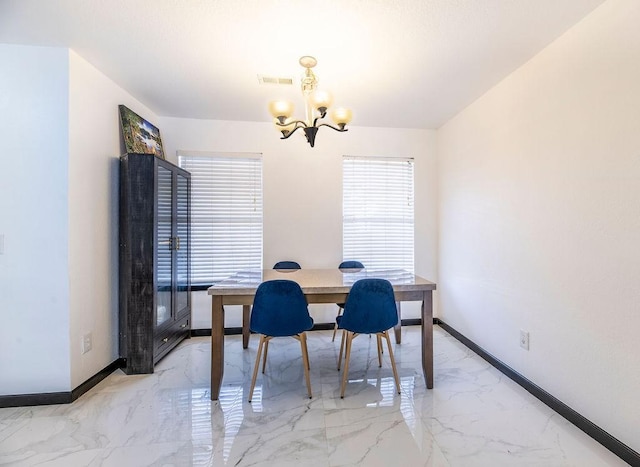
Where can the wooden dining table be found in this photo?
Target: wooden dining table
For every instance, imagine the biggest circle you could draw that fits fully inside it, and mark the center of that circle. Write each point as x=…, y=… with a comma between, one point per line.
x=319, y=286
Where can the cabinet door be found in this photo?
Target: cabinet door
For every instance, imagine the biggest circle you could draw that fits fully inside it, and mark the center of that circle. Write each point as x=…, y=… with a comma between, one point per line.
x=164, y=245
x=182, y=245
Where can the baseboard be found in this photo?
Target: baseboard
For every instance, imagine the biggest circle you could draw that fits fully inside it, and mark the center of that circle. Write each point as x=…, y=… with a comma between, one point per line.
x=612, y=444
x=95, y=379
x=42, y=398
x=413, y=322
x=63, y=397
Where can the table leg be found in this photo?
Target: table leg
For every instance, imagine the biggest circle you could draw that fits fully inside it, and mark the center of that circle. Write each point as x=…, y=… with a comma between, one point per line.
x=427, y=338
x=246, y=317
x=217, y=345
x=397, y=329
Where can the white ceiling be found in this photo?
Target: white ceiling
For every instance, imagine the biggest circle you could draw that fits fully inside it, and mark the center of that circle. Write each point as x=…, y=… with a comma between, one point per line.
x=396, y=63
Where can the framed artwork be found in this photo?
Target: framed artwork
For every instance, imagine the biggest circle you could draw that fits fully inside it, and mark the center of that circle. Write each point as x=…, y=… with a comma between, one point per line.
x=139, y=135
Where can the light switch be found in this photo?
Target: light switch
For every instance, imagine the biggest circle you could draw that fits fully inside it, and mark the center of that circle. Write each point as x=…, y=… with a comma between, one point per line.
x=1, y=244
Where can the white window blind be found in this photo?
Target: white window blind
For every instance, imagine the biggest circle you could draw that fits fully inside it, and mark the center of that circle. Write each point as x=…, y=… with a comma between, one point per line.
x=378, y=212
x=226, y=214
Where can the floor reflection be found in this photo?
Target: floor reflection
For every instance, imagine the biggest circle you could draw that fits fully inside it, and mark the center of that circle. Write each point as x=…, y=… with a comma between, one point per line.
x=473, y=416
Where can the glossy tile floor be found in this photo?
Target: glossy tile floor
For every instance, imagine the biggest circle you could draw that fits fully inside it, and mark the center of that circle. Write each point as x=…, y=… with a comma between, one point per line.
x=473, y=417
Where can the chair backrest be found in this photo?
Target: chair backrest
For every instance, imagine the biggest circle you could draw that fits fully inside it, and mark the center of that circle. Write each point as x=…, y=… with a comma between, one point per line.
x=370, y=307
x=286, y=265
x=280, y=309
x=351, y=265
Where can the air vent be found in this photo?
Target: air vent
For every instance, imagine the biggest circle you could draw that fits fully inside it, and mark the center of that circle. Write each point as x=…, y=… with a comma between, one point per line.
x=262, y=79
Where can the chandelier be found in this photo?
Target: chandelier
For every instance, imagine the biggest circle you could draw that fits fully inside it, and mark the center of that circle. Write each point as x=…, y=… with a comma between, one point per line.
x=316, y=104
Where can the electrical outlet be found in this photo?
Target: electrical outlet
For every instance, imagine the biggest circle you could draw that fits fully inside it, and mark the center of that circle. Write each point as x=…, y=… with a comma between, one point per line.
x=87, y=343
x=524, y=339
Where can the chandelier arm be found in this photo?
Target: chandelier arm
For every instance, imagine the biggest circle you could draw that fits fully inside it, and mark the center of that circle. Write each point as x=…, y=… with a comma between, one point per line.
x=315, y=120
x=292, y=131
x=303, y=124
x=333, y=127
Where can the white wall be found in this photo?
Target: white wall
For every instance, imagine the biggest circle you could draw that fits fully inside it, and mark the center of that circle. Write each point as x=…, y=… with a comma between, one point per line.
x=303, y=191
x=540, y=219
x=34, y=288
x=95, y=145
x=58, y=273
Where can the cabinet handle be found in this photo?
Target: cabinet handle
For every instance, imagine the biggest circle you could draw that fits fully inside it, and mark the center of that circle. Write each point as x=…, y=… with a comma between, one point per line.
x=166, y=339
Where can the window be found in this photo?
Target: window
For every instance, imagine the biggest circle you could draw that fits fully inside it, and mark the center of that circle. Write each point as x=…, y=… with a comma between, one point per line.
x=226, y=214
x=377, y=210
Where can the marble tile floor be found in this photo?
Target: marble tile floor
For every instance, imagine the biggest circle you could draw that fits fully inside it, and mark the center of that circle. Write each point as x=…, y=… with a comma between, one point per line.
x=475, y=416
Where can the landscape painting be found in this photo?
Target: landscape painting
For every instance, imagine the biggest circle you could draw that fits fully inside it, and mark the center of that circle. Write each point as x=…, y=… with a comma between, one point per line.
x=140, y=136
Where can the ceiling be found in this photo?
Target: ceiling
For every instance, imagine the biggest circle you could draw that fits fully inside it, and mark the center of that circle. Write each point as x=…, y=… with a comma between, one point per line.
x=396, y=63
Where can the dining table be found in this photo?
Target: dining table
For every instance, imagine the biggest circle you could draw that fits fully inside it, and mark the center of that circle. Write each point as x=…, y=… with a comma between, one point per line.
x=318, y=286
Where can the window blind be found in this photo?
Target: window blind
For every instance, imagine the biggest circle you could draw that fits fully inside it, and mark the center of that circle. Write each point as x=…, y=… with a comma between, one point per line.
x=378, y=212
x=226, y=214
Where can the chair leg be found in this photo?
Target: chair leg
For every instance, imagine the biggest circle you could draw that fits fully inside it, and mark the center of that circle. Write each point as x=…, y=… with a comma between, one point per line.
x=342, y=341
x=393, y=361
x=304, y=335
x=380, y=347
x=246, y=319
x=255, y=367
x=379, y=342
x=264, y=358
x=350, y=336
x=305, y=360
x=307, y=349
x=335, y=326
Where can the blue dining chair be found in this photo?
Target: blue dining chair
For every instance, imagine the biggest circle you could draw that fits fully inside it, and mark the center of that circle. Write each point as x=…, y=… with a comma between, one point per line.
x=286, y=265
x=345, y=265
x=279, y=310
x=370, y=309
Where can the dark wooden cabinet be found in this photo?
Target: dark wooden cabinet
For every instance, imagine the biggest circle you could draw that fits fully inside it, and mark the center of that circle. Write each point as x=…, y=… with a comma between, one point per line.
x=155, y=288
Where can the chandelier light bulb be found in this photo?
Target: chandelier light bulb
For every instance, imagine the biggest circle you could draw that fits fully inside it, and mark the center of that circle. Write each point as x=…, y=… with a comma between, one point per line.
x=341, y=116
x=321, y=100
x=281, y=109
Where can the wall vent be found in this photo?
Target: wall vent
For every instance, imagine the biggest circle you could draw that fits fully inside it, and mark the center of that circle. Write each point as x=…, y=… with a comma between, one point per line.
x=263, y=79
